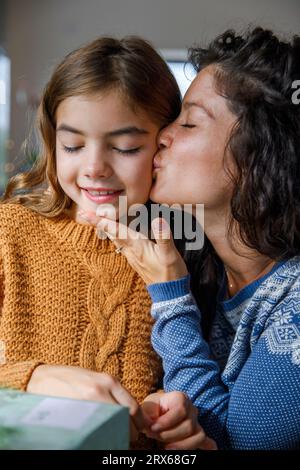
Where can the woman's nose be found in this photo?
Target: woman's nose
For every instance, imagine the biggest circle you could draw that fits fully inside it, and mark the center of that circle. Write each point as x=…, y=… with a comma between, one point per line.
x=165, y=137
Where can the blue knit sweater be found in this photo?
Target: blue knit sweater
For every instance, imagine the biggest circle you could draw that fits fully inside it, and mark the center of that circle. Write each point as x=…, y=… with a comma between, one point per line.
x=245, y=381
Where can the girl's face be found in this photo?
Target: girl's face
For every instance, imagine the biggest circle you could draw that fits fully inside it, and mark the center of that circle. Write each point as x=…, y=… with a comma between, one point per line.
x=188, y=168
x=104, y=149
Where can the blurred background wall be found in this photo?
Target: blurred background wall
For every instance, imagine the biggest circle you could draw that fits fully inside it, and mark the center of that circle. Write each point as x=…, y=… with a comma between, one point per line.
x=36, y=34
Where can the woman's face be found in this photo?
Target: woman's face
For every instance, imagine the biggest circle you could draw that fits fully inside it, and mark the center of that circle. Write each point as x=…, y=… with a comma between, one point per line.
x=104, y=149
x=188, y=168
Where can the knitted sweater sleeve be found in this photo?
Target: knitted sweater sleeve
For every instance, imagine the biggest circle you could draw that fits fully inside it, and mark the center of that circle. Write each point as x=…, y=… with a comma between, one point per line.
x=13, y=374
x=261, y=409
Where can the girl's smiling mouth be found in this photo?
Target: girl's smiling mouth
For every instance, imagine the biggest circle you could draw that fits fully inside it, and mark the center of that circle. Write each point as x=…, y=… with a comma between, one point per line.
x=101, y=195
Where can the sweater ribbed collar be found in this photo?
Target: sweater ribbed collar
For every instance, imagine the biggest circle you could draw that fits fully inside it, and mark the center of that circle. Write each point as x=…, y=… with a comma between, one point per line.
x=81, y=236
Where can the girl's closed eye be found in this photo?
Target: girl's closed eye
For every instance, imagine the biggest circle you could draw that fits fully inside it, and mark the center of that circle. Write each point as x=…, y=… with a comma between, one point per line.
x=71, y=149
x=129, y=151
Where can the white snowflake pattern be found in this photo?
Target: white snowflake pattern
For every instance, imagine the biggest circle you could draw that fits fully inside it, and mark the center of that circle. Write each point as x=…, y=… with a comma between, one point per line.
x=281, y=318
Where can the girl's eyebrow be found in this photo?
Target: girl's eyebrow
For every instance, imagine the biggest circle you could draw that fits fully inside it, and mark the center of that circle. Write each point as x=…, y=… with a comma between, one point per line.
x=131, y=130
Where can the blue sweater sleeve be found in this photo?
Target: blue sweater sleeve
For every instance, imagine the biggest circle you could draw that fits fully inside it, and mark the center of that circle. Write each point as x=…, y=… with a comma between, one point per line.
x=262, y=408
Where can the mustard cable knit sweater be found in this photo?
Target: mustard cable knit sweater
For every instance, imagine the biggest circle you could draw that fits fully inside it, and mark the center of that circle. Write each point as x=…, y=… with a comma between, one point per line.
x=67, y=298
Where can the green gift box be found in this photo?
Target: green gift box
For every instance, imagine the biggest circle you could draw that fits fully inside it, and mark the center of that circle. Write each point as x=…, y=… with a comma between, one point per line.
x=37, y=422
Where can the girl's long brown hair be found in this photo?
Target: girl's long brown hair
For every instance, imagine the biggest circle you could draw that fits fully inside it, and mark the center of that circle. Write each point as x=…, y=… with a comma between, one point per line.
x=130, y=65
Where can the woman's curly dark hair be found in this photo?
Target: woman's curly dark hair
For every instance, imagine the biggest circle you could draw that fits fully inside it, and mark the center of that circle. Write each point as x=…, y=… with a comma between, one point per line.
x=255, y=72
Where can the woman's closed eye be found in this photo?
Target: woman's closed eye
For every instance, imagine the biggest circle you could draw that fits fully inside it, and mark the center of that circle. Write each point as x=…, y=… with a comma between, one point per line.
x=189, y=126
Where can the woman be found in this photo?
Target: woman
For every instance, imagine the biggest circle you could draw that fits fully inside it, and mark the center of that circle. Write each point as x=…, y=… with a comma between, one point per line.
x=236, y=149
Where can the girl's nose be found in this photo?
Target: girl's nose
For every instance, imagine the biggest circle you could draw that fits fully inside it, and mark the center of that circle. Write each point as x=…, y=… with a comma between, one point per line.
x=97, y=166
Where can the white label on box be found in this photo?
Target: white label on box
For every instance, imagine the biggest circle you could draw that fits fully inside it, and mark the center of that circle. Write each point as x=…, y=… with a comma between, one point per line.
x=60, y=413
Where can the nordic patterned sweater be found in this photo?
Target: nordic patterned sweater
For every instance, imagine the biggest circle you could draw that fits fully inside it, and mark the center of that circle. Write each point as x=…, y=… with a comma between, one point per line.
x=245, y=381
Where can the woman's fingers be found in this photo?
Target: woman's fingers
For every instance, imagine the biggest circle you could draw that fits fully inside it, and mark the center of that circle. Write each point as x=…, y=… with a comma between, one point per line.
x=122, y=236
x=151, y=408
x=176, y=407
x=178, y=425
x=162, y=233
x=182, y=431
x=154, y=262
x=118, y=233
x=88, y=216
x=199, y=440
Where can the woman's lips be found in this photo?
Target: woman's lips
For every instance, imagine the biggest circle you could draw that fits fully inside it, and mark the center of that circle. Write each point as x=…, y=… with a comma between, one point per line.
x=100, y=199
x=156, y=163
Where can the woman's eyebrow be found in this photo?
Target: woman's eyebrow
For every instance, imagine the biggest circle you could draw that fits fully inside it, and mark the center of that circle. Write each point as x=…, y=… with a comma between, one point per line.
x=191, y=104
x=130, y=130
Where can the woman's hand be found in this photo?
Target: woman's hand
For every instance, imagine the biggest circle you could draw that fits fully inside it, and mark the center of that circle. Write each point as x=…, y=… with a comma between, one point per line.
x=83, y=384
x=175, y=422
x=154, y=262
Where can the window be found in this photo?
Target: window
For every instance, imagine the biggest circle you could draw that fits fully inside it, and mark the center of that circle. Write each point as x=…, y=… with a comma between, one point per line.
x=183, y=72
x=4, y=113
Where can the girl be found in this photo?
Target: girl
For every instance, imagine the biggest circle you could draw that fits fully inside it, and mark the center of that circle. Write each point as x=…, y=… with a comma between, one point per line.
x=236, y=148
x=74, y=315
